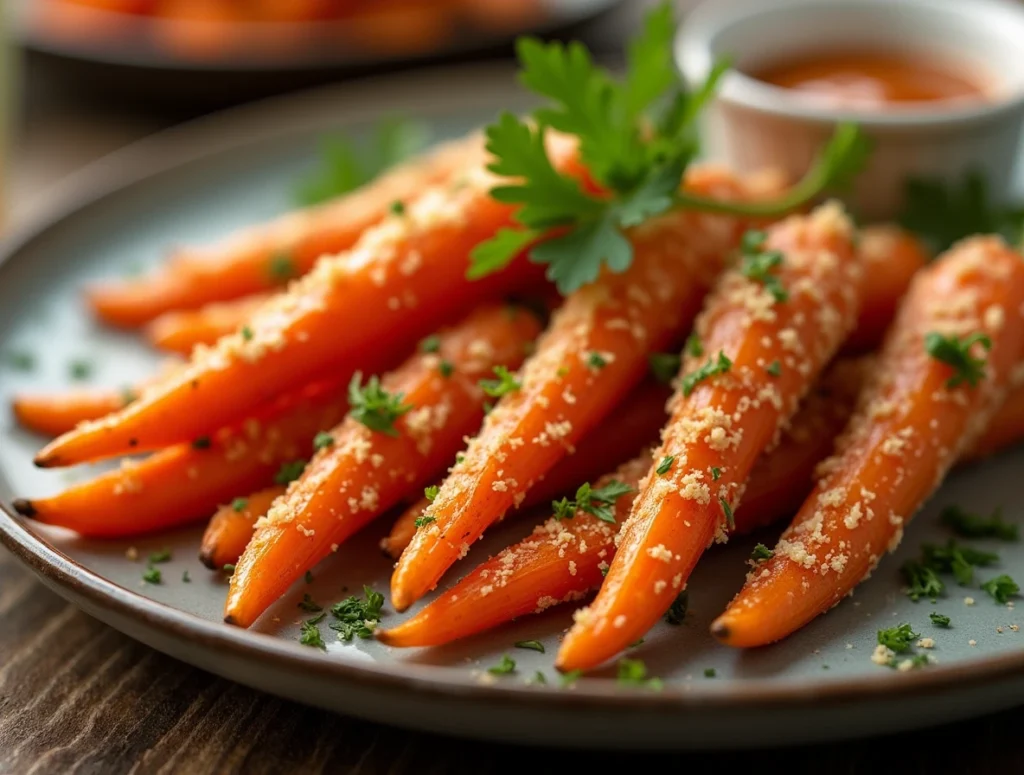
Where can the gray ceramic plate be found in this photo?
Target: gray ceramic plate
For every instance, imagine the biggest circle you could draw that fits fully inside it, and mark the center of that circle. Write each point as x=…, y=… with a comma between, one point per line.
x=196, y=183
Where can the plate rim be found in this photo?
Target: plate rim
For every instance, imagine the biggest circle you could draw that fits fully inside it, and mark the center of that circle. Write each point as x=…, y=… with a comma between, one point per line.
x=210, y=136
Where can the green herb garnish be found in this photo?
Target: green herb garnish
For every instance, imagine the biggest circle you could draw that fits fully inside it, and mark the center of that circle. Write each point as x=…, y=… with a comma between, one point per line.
x=922, y=581
x=431, y=492
x=152, y=575
x=504, y=384
x=761, y=552
x=504, y=667
x=531, y=645
x=430, y=344
x=898, y=638
x=633, y=672
x=969, y=525
x=665, y=465
x=309, y=604
x=939, y=620
x=956, y=353
x=664, y=366
x=239, y=504
x=373, y=406
x=599, y=502
x=323, y=440
x=713, y=367
x=357, y=617
x=289, y=472
x=596, y=361
x=1001, y=588
x=759, y=264
x=310, y=633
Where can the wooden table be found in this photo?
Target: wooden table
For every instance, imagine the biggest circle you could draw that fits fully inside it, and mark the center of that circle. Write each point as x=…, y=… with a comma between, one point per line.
x=77, y=696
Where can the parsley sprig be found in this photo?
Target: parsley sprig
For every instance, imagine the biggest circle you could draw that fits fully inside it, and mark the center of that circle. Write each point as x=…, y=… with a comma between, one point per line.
x=598, y=502
x=1001, y=588
x=969, y=525
x=898, y=638
x=637, y=134
x=956, y=353
x=758, y=264
x=373, y=406
x=355, y=617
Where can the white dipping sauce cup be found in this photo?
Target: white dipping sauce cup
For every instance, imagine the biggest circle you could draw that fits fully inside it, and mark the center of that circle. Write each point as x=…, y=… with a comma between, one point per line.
x=753, y=124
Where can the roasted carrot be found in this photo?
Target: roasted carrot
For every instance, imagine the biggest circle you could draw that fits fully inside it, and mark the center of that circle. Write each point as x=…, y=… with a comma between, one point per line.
x=405, y=277
x=180, y=331
x=267, y=256
x=232, y=526
x=593, y=353
x=371, y=461
x=629, y=429
x=943, y=370
x=1006, y=427
x=188, y=481
x=56, y=414
x=767, y=330
x=891, y=256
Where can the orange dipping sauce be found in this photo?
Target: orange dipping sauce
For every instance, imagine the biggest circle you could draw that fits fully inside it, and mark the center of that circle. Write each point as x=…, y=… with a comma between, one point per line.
x=875, y=80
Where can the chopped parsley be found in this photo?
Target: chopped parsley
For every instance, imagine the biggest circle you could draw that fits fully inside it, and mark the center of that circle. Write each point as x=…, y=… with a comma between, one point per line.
x=128, y=396
x=247, y=333
x=774, y=368
x=424, y=520
x=289, y=472
x=430, y=344
x=968, y=525
x=713, y=367
x=599, y=502
x=152, y=575
x=939, y=620
x=203, y=442
x=80, y=370
x=531, y=645
x=633, y=672
x=282, y=268
x=570, y=678
x=504, y=384
x=373, y=406
x=1001, y=588
x=956, y=353
x=761, y=552
x=596, y=361
x=431, y=492
x=447, y=368
x=323, y=440
x=710, y=672
x=665, y=465
x=164, y=555
x=345, y=164
x=716, y=473
x=922, y=581
x=185, y=577
x=898, y=638
x=637, y=135
x=308, y=577
x=397, y=207
x=229, y=568
x=309, y=604
x=957, y=559
x=357, y=617
x=20, y=360
x=310, y=633
x=239, y=504
x=727, y=510
x=664, y=366
x=758, y=264
x=538, y=678
x=506, y=666
x=693, y=345
x=676, y=613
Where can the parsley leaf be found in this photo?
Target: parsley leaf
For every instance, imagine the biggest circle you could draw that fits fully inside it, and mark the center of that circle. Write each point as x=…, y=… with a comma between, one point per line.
x=676, y=613
x=424, y=520
x=504, y=667
x=957, y=559
x=774, y=368
x=633, y=672
x=569, y=679
x=357, y=617
x=969, y=525
x=599, y=502
x=956, y=353
x=80, y=370
x=758, y=264
x=939, y=620
x=346, y=165
x=289, y=472
x=665, y=465
x=239, y=504
x=430, y=344
x=431, y=492
x=727, y=510
x=20, y=360
x=664, y=366
x=693, y=345
x=504, y=384
x=596, y=361
x=922, y=581
x=898, y=638
x=309, y=604
x=710, y=369
x=152, y=575
x=532, y=645
x=282, y=268
x=164, y=555
x=710, y=672
x=373, y=406
x=323, y=440
x=1001, y=588
x=310, y=633
x=761, y=552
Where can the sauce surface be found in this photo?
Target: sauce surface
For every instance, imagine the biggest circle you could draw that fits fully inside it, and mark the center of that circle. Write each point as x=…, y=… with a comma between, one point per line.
x=875, y=80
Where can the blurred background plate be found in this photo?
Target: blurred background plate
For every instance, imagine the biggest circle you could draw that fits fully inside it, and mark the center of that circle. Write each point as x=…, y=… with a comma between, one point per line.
x=226, y=51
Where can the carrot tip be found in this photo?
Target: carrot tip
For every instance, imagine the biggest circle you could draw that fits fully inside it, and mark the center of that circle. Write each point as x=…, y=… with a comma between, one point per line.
x=229, y=619
x=46, y=461
x=720, y=630
x=400, y=601
x=24, y=507
x=206, y=558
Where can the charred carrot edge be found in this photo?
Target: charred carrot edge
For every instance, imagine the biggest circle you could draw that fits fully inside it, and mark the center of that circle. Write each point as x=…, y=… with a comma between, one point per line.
x=181, y=330
x=231, y=527
x=891, y=257
x=189, y=481
x=404, y=278
x=764, y=346
x=629, y=429
x=267, y=256
x=363, y=472
x=912, y=422
x=593, y=353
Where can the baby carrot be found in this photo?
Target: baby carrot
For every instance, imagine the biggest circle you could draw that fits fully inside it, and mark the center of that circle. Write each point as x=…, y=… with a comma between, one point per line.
x=944, y=368
x=188, y=481
x=406, y=276
x=767, y=330
x=890, y=256
x=268, y=256
x=629, y=429
x=232, y=526
x=593, y=353
x=53, y=415
x=181, y=330
x=396, y=440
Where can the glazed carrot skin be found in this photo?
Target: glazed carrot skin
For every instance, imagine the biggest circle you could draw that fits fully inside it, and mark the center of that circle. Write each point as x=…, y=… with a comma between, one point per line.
x=541, y=571
x=181, y=330
x=363, y=472
x=53, y=415
x=631, y=428
x=231, y=528
x=565, y=393
x=187, y=482
x=717, y=432
x=560, y=561
x=265, y=257
x=910, y=427
x=404, y=278
x=891, y=257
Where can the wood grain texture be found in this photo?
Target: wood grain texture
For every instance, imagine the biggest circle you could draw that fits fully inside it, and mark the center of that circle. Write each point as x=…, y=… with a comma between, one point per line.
x=78, y=697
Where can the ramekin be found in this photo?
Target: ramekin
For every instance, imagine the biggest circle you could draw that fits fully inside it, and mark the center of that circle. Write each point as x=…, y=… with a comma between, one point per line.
x=752, y=124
